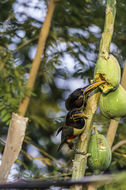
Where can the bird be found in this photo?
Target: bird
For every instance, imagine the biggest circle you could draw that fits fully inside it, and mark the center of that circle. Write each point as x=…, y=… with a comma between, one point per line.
x=78, y=98
x=71, y=129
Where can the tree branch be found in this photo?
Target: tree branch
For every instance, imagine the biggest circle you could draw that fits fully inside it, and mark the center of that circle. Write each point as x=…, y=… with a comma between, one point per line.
x=37, y=60
x=116, y=146
x=25, y=44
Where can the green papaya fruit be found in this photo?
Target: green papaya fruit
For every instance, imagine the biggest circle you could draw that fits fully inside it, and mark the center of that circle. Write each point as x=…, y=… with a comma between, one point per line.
x=113, y=104
x=108, y=69
x=100, y=151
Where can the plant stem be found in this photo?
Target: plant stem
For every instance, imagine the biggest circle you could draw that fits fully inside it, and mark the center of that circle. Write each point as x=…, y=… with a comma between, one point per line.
x=116, y=146
x=25, y=44
x=108, y=28
x=80, y=161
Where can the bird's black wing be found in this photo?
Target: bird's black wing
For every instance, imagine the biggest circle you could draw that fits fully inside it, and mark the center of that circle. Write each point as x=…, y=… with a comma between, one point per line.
x=66, y=133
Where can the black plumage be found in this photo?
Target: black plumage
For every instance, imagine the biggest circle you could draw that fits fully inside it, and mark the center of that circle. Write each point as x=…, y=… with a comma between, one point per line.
x=75, y=100
x=78, y=98
x=68, y=130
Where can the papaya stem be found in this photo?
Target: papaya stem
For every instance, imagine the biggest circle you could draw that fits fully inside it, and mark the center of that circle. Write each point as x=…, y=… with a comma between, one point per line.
x=108, y=28
x=95, y=130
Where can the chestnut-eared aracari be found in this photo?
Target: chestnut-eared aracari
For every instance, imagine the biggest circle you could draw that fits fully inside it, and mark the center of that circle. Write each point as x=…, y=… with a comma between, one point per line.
x=78, y=98
x=73, y=126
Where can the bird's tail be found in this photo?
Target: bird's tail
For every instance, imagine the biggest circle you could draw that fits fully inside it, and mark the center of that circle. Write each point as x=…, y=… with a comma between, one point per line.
x=58, y=131
x=60, y=146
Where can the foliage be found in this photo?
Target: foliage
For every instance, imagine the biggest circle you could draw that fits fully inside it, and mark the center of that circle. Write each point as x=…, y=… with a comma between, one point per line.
x=12, y=87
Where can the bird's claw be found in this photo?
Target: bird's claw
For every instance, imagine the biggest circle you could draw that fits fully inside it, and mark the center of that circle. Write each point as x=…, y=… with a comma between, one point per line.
x=78, y=116
x=77, y=152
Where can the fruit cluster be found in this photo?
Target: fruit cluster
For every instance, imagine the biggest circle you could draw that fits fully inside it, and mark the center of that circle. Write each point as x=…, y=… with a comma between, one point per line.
x=113, y=97
x=112, y=105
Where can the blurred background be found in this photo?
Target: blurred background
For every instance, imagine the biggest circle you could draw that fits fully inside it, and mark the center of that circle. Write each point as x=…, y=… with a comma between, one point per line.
x=67, y=63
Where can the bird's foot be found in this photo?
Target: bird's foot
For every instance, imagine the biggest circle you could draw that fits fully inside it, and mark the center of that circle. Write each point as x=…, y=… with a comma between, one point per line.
x=77, y=152
x=78, y=116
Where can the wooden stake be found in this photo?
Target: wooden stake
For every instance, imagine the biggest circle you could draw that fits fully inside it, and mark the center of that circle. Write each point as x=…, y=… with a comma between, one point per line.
x=13, y=146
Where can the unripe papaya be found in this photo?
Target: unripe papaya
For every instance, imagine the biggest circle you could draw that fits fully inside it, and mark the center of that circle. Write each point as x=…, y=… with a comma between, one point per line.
x=113, y=104
x=108, y=69
x=100, y=151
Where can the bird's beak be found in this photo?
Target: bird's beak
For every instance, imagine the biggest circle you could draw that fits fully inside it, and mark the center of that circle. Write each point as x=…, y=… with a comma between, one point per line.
x=92, y=87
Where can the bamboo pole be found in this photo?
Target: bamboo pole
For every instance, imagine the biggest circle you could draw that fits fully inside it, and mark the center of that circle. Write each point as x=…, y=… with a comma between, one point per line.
x=38, y=57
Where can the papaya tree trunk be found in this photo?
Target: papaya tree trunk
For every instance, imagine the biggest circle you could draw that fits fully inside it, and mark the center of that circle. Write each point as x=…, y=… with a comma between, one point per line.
x=80, y=161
